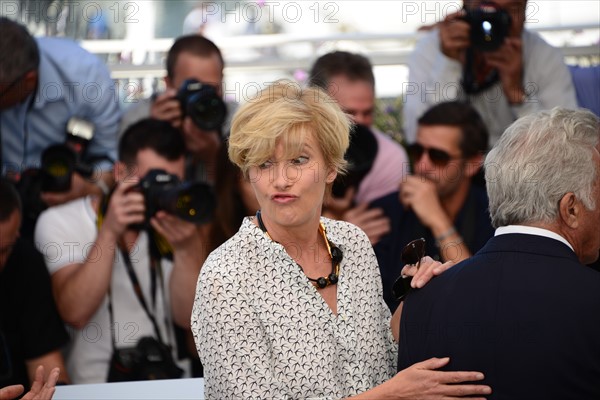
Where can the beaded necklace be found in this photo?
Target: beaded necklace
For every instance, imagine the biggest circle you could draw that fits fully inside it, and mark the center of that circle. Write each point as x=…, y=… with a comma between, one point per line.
x=334, y=252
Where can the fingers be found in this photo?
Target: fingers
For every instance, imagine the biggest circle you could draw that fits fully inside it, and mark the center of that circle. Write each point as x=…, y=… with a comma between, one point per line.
x=443, y=267
x=372, y=221
x=11, y=392
x=126, y=207
x=39, y=389
x=53, y=377
x=460, y=391
x=432, y=363
x=454, y=35
x=175, y=230
x=38, y=381
x=166, y=107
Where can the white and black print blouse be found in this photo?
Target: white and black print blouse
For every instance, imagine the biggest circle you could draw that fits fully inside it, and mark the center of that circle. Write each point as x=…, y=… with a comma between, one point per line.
x=263, y=331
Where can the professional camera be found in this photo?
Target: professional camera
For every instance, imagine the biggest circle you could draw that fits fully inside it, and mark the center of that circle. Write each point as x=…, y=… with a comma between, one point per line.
x=202, y=103
x=60, y=161
x=360, y=156
x=490, y=25
x=150, y=359
x=189, y=201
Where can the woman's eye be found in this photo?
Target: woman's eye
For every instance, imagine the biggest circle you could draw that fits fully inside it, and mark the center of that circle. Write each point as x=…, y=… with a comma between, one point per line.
x=300, y=160
x=265, y=165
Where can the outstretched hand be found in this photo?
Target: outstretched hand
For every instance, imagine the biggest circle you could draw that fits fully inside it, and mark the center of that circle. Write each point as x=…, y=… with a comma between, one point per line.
x=40, y=390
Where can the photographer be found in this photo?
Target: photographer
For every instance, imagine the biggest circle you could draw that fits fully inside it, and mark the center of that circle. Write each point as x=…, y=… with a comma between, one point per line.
x=44, y=83
x=457, y=61
x=190, y=57
x=91, y=248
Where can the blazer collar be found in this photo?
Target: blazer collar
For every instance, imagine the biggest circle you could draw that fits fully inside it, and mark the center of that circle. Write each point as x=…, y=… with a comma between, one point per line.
x=524, y=243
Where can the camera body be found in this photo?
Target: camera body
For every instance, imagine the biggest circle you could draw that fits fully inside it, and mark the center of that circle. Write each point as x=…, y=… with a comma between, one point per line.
x=59, y=161
x=202, y=103
x=490, y=25
x=150, y=359
x=193, y=202
x=360, y=155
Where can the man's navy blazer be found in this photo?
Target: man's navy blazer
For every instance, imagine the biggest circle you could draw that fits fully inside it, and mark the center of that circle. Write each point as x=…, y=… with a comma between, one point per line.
x=523, y=310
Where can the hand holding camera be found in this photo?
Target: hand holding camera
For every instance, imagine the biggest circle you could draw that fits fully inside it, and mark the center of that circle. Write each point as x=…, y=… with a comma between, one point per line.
x=508, y=61
x=485, y=41
x=483, y=29
x=194, y=99
x=166, y=107
x=126, y=207
x=455, y=36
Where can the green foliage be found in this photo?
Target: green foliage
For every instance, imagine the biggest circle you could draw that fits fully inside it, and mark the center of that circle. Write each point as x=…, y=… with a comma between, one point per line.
x=388, y=117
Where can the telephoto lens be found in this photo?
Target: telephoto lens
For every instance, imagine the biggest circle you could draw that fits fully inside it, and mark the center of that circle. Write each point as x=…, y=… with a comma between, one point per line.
x=58, y=164
x=202, y=104
x=190, y=201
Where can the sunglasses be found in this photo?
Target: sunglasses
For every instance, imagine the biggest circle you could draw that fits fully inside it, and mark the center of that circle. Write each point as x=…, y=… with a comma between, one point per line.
x=438, y=157
x=411, y=255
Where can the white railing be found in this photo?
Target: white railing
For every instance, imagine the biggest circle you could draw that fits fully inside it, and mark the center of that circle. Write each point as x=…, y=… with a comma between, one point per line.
x=255, y=59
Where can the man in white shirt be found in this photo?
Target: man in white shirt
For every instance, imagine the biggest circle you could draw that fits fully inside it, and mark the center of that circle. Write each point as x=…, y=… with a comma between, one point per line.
x=530, y=74
x=93, y=248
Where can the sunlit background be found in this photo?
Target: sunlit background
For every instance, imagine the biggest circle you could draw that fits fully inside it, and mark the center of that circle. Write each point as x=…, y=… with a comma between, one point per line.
x=266, y=40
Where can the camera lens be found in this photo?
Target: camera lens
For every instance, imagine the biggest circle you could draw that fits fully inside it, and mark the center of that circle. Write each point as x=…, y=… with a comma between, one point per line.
x=489, y=27
x=58, y=163
x=206, y=110
x=202, y=103
x=192, y=202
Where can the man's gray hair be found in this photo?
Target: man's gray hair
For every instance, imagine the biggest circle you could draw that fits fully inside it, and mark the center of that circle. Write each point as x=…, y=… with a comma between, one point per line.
x=539, y=159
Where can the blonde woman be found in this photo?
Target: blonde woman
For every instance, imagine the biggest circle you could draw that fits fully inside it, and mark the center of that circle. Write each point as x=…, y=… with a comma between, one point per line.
x=291, y=306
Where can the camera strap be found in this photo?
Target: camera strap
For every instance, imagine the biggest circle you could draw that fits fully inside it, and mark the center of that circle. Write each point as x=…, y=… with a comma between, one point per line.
x=155, y=270
x=473, y=80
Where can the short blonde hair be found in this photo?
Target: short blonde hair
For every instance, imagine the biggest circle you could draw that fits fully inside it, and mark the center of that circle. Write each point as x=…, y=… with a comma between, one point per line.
x=288, y=112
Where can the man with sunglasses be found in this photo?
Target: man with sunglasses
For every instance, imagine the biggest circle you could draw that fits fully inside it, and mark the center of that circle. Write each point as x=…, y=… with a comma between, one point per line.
x=439, y=201
x=524, y=75
x=524, y=309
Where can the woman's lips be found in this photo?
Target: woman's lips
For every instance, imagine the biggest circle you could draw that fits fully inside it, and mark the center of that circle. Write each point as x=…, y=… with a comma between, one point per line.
x=283, y=198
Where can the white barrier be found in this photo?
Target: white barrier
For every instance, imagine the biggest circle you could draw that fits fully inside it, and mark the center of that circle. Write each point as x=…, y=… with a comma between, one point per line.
x=188, y=389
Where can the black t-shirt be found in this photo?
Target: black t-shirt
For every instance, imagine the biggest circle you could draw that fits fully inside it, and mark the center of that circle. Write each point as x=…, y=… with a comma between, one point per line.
x=30, y=326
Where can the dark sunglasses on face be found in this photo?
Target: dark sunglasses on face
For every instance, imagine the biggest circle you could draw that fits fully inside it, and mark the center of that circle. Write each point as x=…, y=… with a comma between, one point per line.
x=438, y=157
x=412, y=254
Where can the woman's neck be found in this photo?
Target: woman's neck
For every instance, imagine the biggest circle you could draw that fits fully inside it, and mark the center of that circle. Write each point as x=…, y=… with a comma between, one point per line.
x=293, y=239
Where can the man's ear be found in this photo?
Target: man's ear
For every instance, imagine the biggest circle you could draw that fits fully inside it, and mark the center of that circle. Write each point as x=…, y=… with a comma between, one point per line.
x=473, y=165
x=569, y=209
